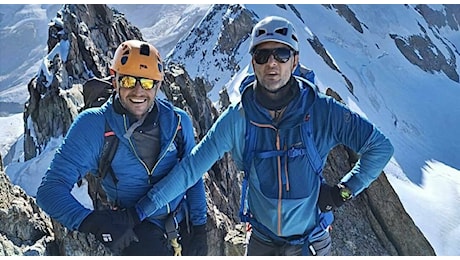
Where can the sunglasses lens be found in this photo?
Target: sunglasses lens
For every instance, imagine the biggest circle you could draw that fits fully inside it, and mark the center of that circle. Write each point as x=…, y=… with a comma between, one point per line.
x=282, y=55
x=261, y=56
x=128, y=82
x=147, y=83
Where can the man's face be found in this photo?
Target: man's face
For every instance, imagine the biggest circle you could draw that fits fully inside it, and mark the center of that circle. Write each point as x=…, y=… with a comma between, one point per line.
x=136, y=94
x=273, y=74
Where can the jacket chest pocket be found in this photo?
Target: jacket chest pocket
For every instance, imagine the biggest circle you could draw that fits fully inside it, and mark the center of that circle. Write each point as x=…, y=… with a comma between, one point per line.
x=282, y=165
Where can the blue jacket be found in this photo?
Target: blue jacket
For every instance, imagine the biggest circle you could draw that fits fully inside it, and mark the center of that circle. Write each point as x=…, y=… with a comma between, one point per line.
x=286, y=204
x=79, y=154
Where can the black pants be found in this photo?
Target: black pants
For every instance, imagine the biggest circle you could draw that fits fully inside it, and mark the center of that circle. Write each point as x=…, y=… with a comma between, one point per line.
x=259, y=247
x=153, y=241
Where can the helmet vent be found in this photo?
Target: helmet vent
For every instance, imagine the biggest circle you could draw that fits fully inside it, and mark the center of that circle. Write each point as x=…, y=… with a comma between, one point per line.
x=260, y=32
x=282, y=31
x=145, y=50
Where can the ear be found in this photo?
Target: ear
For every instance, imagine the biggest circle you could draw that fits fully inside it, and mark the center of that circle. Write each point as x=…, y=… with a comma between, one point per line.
x=252, y=62
x=296, y=62
x=112, y=77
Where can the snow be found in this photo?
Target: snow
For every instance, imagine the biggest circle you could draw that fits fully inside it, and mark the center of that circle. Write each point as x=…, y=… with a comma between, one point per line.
x=418, y=111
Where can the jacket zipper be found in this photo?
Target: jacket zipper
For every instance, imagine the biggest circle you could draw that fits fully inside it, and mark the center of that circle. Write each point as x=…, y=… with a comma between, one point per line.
x=280, y=181
x=150, y=173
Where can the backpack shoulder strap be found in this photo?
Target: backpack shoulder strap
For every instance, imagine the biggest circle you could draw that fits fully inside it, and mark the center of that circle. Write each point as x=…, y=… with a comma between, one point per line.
x=179, y=140
x=248, y=153
x=325, y=218
x=108, y=152
x=312, y=152
x=305, y=73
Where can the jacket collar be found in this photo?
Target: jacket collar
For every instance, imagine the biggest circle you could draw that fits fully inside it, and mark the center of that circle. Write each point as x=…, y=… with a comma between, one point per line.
x=295, y=112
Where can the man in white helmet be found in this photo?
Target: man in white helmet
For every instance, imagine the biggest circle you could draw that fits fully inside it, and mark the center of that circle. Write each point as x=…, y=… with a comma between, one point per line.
x=152, y=135
x=280, y=134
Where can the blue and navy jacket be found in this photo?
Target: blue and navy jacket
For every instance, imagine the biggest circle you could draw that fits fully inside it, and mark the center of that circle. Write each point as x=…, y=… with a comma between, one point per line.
x=80, y=152
x=283, y=192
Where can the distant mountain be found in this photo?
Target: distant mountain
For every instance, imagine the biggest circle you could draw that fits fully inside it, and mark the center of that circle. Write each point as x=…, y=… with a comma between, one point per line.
x=24, y=31
x=163, y=24
x=395, y=64
x=23, y=35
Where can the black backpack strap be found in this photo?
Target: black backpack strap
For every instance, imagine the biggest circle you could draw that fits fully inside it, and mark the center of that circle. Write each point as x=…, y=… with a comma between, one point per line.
x=179, y=141
x=108, y=152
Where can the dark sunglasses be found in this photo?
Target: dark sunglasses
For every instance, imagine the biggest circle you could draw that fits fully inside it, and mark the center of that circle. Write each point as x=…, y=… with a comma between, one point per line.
x=130, y=82
x=280, y=54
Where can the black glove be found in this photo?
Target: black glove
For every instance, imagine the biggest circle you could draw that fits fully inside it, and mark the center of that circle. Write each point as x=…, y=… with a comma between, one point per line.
x=329, y=197
x=114, y=228
x=197, y=243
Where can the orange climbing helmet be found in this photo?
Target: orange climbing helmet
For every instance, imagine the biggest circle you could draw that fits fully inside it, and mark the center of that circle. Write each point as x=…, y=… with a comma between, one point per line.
x=137, y=58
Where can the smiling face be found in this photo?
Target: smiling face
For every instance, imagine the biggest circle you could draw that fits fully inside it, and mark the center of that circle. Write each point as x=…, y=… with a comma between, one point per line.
x=274, y=74
x=136, y=100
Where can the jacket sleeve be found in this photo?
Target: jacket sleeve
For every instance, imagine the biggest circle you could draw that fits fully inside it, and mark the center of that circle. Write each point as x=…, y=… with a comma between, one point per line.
x=375, y=154
x=373, y=147
x=195, y=195
x=76, y=156
x=222, y=137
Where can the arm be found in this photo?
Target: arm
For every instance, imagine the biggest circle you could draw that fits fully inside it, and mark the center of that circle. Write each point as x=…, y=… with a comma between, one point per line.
x=375, y=154
x=222, y=137
x=76, y=156
x=363, y=137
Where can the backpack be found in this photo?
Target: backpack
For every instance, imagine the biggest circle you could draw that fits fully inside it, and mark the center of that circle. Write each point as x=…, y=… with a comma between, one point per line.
x=307, y=77
x=96, y=92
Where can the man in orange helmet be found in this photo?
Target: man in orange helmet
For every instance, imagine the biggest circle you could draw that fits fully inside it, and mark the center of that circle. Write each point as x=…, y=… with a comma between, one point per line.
x=148, y=149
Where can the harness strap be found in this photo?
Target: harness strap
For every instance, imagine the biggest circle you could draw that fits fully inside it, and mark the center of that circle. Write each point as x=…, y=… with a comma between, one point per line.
x=172, y=233
x=325, y=220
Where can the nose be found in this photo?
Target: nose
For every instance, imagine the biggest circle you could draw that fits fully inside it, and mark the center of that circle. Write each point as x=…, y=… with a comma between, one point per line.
x=271, y=59
x=137, y=87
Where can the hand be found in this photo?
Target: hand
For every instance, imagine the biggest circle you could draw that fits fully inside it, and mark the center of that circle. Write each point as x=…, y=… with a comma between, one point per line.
x=329, y=197
x=114, y=228
x=197, y=244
